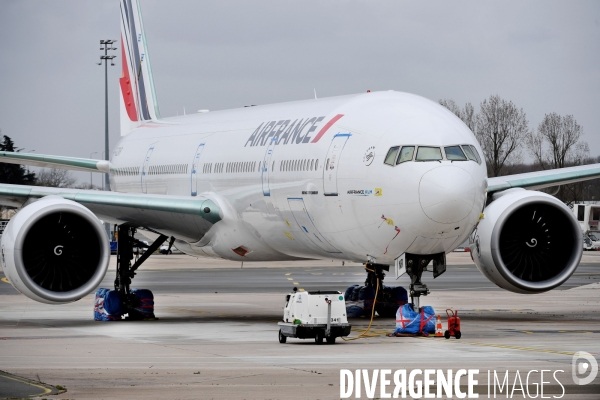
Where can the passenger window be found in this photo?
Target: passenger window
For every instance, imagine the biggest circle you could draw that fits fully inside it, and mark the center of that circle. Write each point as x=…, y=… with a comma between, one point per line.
x=429, y=154
x=406, y=154
x=455, y=153
x=316, y=164
x=390, y=158
x=476, y=154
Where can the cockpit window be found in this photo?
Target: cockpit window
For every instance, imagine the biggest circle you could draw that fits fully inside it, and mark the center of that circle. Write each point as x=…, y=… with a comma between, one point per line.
x=406, y=154
x=390, y=158
x=469, y=152
x=454, y=153
x=429, y=154
x=476, y=154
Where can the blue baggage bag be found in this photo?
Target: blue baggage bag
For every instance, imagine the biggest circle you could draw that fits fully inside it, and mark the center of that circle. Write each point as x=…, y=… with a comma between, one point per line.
x=415, y=323
x=107, y=305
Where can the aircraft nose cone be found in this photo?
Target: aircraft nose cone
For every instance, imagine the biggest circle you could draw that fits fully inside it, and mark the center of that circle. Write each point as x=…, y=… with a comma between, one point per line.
x=447, y=194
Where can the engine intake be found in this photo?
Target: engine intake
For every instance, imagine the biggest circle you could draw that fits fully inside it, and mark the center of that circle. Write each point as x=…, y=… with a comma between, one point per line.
x=55, y=251
x=528, y=242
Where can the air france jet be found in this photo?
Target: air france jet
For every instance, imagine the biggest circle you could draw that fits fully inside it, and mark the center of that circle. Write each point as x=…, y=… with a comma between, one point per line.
x=389, y=179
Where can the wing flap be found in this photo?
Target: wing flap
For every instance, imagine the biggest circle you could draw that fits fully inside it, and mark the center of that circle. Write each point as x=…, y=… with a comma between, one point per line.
x=60, y=162
x=544, y=179
x=183, y=217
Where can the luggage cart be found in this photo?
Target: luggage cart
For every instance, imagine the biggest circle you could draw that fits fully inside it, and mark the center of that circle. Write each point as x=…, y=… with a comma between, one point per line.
x=319, y=315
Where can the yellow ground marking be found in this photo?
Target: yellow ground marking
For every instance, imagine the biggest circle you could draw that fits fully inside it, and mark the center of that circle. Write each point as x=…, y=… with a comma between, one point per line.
x=288, y=274
x=316, y=273
x=339, y=273
x=290, y=279
x=14, y=378
x=528, y=332
x=301, y=290
x=188, y=310
x=503, y=346
x=5, y=280
x=296, y=283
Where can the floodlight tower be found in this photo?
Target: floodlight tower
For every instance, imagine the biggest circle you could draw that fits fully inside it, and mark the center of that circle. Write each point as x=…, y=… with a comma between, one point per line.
x=106, y=45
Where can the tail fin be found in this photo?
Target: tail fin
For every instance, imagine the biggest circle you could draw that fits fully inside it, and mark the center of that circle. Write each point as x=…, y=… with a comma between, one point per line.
x=138, y=97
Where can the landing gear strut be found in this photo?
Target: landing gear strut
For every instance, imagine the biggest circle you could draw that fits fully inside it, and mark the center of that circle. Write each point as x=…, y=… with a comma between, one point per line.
x=415, y=265
x=125, y=271
x=375, y=275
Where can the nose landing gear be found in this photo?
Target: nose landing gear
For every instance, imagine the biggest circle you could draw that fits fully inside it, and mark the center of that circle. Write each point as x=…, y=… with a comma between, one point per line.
x=415, y=265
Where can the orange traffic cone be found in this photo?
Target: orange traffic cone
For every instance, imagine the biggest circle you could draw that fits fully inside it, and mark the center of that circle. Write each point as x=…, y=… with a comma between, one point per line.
x=438, y=327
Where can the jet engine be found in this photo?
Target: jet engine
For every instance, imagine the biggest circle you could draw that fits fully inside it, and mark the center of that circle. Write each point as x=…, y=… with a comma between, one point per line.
x=527, y=241
x=54, y=251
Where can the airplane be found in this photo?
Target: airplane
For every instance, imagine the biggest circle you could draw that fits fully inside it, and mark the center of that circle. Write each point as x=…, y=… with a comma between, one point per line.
x=389, y=179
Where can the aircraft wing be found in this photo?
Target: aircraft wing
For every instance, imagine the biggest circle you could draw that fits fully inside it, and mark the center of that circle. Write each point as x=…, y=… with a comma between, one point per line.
x=60, y=162
x=544, y=179
x=187, y=218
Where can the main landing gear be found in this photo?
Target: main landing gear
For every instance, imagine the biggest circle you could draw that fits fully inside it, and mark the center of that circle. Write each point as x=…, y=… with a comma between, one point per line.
x=126, y=242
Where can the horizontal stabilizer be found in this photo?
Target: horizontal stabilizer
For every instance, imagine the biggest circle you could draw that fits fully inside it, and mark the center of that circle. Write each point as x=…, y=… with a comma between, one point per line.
x=60, y=162
x=544, y=179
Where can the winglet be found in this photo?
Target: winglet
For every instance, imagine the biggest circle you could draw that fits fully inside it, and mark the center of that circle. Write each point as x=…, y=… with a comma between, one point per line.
x=138, y=96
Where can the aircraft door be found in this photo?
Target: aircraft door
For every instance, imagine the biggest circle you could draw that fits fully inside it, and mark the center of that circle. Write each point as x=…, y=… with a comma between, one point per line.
x=195, y=167
x=267, y=173
x=332, y=162
x=145, y=166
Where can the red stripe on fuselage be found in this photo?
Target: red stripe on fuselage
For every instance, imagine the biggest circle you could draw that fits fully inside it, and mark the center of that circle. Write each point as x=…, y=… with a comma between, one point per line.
x=326, y=127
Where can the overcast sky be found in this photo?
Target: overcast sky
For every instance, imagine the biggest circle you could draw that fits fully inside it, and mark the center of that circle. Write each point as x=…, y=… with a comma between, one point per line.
x=542, y=55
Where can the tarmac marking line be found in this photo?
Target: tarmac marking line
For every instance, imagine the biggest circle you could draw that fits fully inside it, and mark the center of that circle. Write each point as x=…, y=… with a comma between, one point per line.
x=290, y=279
x=5, y=280
x=295, y=283
x=504, y=346
x=27, y=382
x=288, y=274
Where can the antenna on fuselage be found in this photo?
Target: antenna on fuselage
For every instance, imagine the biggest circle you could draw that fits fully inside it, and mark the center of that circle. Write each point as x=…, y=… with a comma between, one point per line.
x=315, y=93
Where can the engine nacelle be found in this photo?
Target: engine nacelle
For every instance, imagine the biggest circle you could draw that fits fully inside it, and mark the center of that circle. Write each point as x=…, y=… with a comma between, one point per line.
x=55, y=251
x=527, y=242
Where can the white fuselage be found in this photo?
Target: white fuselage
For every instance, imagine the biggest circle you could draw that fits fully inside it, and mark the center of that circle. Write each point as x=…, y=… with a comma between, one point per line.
x=292, y=184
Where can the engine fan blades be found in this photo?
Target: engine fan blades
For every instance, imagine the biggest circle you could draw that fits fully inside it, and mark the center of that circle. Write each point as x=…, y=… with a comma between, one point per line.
x=532, y=240
x=61, y=252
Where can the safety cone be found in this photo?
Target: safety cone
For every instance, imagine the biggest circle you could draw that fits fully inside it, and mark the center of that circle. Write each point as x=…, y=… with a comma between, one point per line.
x=438, y=327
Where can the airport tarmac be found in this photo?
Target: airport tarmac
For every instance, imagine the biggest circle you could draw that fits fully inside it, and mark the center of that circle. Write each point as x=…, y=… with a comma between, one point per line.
x=217, y=334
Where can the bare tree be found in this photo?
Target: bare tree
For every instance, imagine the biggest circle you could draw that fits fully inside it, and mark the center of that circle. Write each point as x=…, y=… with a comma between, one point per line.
x=557, y=142
x=53, y=177
x=467, y=114
x=501, y=128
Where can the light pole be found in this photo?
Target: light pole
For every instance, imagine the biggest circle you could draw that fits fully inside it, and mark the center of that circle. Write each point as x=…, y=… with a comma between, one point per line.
x=107, y=45
x=95, y=152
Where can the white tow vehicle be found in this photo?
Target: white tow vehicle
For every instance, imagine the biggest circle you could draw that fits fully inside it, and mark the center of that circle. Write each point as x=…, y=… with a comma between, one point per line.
x=318, y=315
